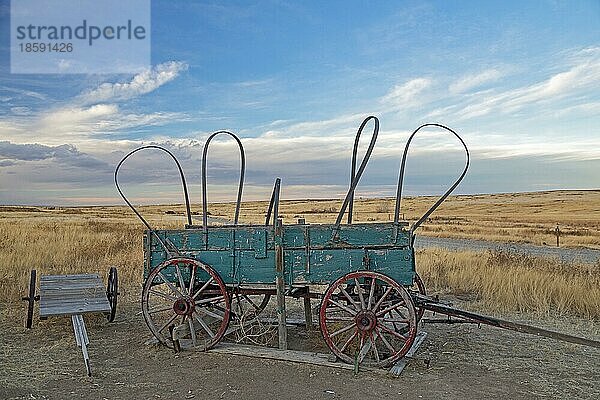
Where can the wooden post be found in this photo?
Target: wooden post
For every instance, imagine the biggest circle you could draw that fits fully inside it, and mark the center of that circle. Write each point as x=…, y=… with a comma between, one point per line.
x=279, y=271
x=308, y=310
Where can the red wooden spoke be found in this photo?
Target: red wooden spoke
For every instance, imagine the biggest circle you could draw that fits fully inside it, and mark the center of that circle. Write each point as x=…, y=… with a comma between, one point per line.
x=180, y=278
x=203, y=324
x=374, y=347
x=371, y=291
x=342, y=330
x=390, y=308
x=387, y=292
x=192, y=278
x=362, y=352
x=350, y=299
x=343, y=307
x=384, y=340
x=350, y=339
x=394, y=333
x=360, y=295
x=169, y=322
x=202, y=288
x=163, y=295
x=160, y=309
x=400, y=313
x=192, y=332
x=336, y=318
x=170, y=285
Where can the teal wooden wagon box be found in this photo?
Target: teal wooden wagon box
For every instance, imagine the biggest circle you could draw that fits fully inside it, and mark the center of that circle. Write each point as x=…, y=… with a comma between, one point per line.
x=200, y=278
x=245, y=254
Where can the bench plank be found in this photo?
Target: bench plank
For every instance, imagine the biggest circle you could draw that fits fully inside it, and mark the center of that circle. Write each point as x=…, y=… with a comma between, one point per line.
x=72, y=294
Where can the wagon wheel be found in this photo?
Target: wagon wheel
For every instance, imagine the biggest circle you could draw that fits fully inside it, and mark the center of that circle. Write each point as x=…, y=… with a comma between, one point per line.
x=368, y=318
x=418, y=287
x=189, y=299
x=245, y=307
x=112, y=291
x=31, y=299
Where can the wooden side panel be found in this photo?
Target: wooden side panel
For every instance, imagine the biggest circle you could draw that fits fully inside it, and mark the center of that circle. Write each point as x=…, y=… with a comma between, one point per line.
x=328, y=265
x=245, y=254
x=256, y=270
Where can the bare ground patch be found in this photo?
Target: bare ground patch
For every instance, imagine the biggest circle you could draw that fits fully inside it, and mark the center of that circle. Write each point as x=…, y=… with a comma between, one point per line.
x=459, y=361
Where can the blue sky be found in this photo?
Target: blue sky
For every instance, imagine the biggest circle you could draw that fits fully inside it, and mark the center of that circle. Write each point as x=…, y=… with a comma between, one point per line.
x=520, y=81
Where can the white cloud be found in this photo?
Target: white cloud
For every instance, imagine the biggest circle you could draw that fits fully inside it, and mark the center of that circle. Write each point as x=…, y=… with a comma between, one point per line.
x=20, y=111
x=92, y=113
x=142, y=83
x=592, y=108
x=340, y=125
x=80, y=125
x=252, y=83
x=475, y=80
x=313, y=152
x=401, y=96
x=70, y=118
x=405, y=95
x=581, y=78
x=25, y=93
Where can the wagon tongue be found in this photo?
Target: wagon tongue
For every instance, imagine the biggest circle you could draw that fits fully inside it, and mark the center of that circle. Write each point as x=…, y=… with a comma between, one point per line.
x=432, y=304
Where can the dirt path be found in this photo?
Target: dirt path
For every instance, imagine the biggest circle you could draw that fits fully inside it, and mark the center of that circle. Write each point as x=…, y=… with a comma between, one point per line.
x=563, y=254
x=455, y=362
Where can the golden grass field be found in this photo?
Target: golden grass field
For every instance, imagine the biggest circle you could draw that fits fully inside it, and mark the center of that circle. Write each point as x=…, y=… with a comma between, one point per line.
x=87, y=239
x=512, y=217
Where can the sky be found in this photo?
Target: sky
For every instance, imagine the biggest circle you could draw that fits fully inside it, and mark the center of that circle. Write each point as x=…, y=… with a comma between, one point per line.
x=518, y=80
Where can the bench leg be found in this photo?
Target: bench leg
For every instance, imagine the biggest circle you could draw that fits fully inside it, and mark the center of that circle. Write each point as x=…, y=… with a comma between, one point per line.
x=82, y=339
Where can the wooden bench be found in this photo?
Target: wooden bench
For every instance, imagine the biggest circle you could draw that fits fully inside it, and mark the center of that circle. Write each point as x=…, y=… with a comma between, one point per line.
x=74, y=295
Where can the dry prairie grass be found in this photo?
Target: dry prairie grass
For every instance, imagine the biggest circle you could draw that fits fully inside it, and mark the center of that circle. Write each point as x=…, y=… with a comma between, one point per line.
x=509, y=217
x=90, y=239
x=508, y=282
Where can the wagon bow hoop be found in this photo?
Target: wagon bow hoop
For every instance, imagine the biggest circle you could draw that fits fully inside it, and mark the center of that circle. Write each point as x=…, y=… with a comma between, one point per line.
x=170, y=248
x=445, y=195
x=354, y=174
x=240, y=185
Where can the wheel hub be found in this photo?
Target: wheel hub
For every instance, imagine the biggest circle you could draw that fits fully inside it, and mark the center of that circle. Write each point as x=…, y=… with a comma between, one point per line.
x=183, y=306
x=366, y=321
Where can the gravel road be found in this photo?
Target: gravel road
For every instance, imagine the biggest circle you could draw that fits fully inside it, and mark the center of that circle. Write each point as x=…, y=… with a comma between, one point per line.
x=580, y=255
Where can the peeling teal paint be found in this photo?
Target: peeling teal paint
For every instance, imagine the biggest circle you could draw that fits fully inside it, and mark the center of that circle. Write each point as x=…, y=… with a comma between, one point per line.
x=246, y=254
